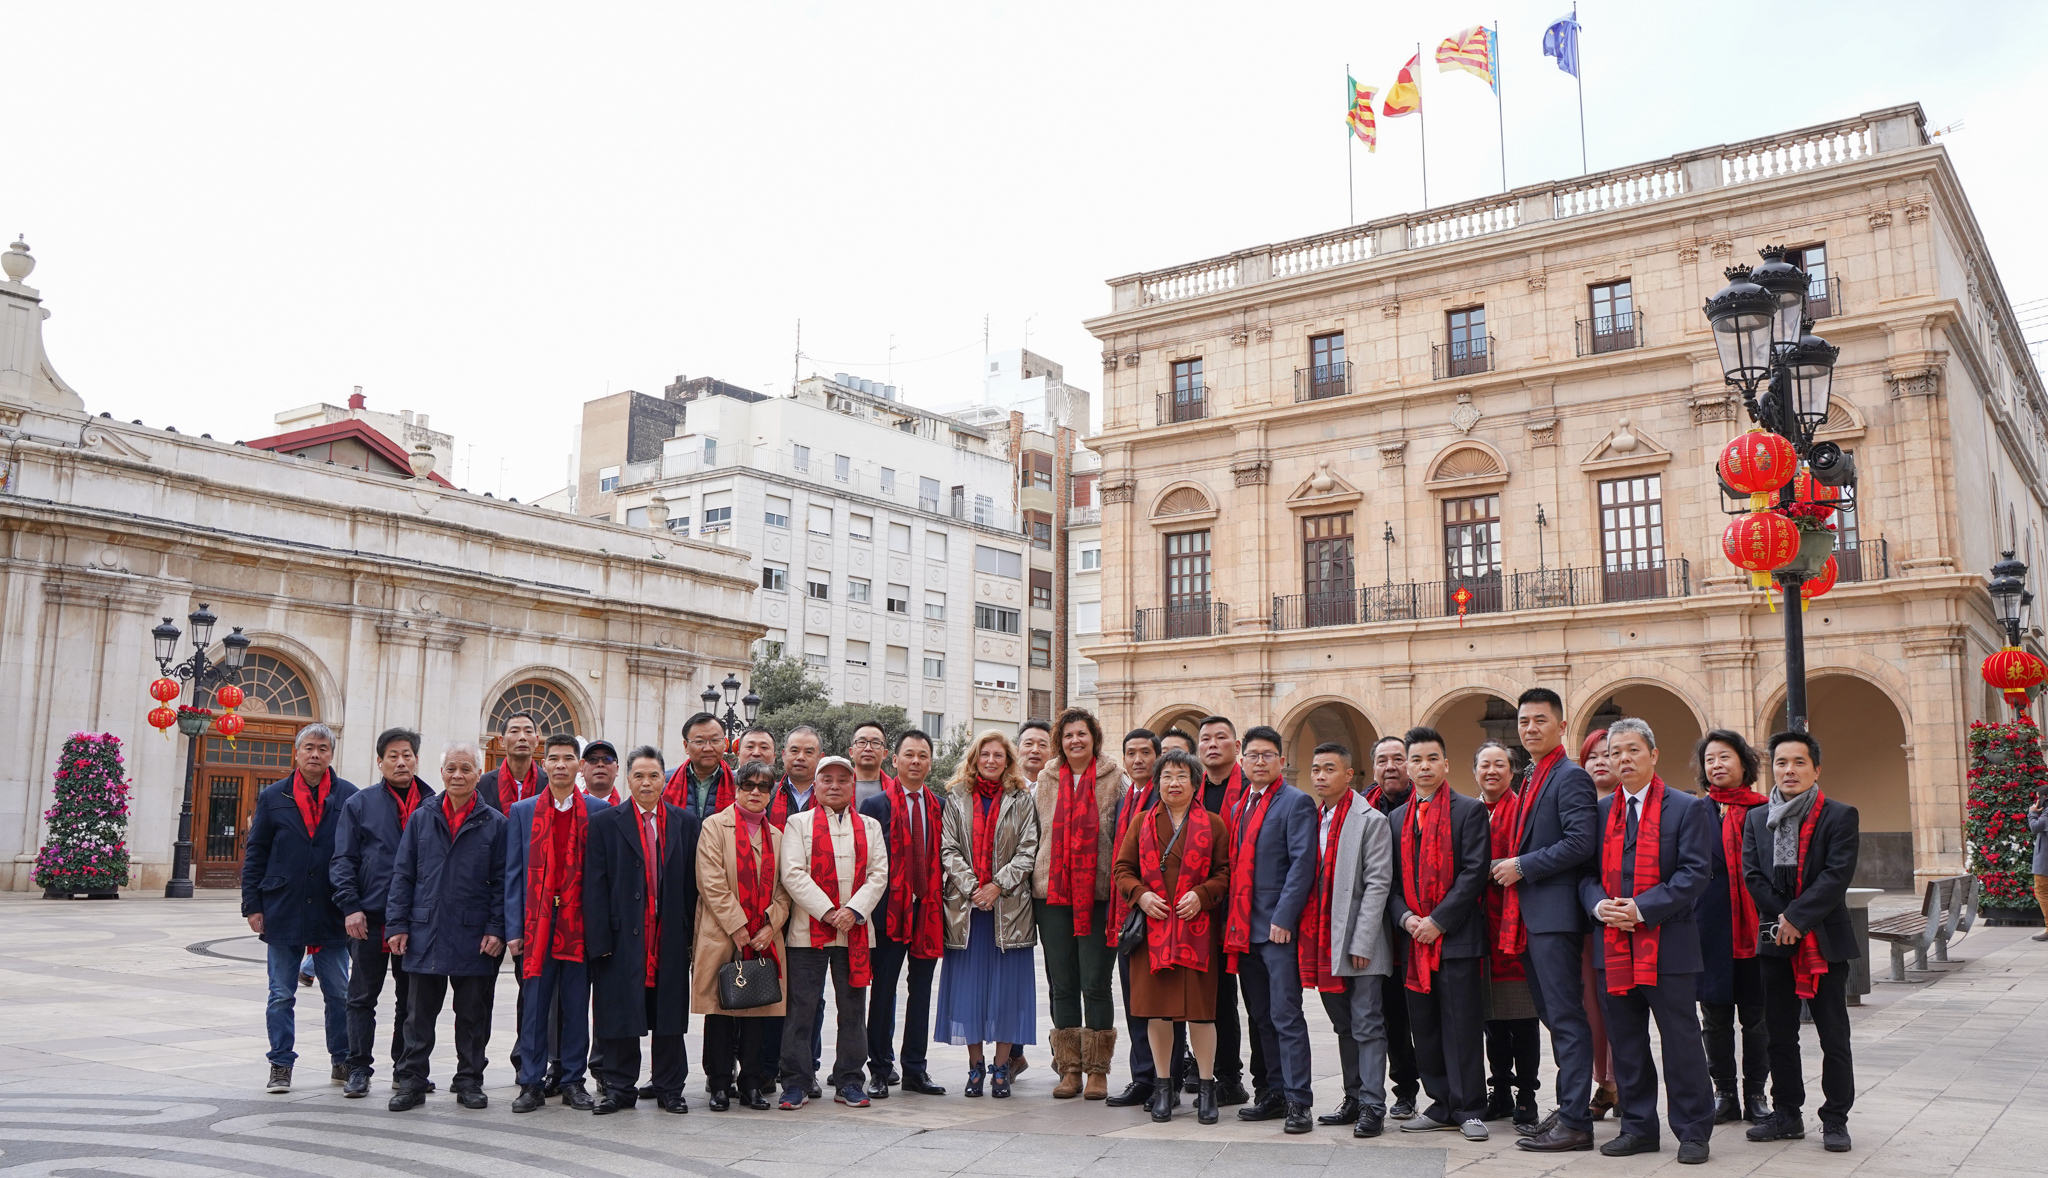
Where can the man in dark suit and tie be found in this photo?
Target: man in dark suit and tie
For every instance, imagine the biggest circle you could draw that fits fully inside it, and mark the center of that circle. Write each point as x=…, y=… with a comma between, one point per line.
x=1656, y=857
x=1273, y=866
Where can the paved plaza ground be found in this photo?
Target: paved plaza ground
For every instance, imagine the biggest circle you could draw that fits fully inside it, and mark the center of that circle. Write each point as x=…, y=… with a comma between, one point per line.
x=131, y=1042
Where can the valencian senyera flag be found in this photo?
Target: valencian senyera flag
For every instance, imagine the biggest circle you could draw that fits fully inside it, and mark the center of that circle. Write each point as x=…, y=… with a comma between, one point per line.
x=1472, y=51
x=1359, y=117
x=1404, y=97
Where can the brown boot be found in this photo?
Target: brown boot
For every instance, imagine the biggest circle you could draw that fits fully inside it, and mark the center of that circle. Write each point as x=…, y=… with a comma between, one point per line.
x=1098, y=1048
x=1066, y=1060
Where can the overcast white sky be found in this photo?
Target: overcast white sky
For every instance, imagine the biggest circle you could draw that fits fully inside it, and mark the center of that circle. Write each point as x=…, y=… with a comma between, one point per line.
x=493, y=212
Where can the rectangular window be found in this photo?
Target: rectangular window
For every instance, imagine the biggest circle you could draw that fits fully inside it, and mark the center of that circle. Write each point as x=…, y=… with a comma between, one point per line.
x=1041, y=648
x=997, y=562
x=775, y=577
x=934, y=666
x=636, y=517
x=898, y=660
x=842, y=467
x=899, y=599
x=717, y=511
x=1037, y=472
x=607, y=480
x=1190, y=398
x=1041, y=705
x=888, y=481
x=777, y=512
x=679, y=524
x=856, y=591
x=1084, y=489
x=935, y=546
x=899, y=538
x=819, y=585
x=817, y=648
x=1038, y=526
x=711, y=451
x=1472, y=552
x=1468, y=341
x=994, y=676
x=934, y=607
x=1632, y=537
x=997, y=618
x=860, y=527
x=1814, y=260
x=774, y=644
x=1088, y=617
x=984, y=510
x=1327, y=373
x=800, y=458
x=957, y=508
x=1327, y=570
x=1041, y=588
x=928, y=495
x=820, y=519
x=1187, y=572
x=935, y=725
x=1613, y=324
x=1091, y=557
x=856, y=653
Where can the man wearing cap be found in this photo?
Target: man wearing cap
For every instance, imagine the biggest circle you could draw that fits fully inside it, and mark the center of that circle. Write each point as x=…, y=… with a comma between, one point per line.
x=601, y=772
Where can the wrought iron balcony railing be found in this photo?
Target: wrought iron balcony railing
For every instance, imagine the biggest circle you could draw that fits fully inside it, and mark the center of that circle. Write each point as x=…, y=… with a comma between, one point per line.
x=1543, y=589
x=1322, y=380
x=1203, y=620
x=1610, y=333
x=1190, y=404
x=1865, y=560
x=1461, y=357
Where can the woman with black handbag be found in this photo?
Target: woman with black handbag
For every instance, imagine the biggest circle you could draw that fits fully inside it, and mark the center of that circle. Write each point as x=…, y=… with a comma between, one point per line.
x=1173, y=867
x=741, y=910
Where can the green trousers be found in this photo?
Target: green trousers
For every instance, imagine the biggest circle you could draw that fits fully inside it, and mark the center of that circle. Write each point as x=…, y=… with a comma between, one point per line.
x=1077, y=969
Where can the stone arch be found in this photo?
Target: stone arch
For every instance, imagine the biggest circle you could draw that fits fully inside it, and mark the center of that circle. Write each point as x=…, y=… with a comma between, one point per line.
x=1677, y=720
x=1183, y=716
x=581, y=706
x=1467, y=459
x=1864, y=737
x=1469, y=717
x=1630, y=678
x=1324, y=718
x=1184, y=500
x=329, y=705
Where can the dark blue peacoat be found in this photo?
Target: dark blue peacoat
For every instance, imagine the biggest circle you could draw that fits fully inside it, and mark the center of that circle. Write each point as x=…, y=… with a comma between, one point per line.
x=448, y=894
x=285, y=874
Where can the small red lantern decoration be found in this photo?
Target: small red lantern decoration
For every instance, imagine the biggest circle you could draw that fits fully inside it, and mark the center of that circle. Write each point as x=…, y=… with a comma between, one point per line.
x=229, y=726
x=162, y=719
x=2013, y=669
x=1811, y=499
x=1758, y=463
x=1818, y=586
x=1760, y=541
x=1464, y=598
x=229, y=696
x=164, y=691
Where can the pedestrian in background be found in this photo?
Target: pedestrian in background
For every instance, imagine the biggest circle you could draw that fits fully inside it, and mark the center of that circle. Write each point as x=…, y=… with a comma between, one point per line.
x=2037, y=821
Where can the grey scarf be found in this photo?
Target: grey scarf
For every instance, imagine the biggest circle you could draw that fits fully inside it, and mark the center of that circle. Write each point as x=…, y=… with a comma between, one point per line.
x=1784, y=820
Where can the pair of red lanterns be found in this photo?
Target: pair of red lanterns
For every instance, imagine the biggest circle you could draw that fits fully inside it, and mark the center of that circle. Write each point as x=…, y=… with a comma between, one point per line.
x=1759, y=464
x=163, y=717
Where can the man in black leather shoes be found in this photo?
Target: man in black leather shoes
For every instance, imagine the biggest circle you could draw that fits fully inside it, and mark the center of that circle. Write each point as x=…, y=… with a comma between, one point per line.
x=909, y=932
x=365, y=843
x=1391, y=788
x=1354, y=870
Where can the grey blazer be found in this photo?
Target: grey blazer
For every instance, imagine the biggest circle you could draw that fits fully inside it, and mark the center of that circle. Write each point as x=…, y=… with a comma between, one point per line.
x=1358, y=894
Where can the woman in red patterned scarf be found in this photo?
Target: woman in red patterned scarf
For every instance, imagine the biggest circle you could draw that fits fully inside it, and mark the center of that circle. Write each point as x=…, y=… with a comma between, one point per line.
x=1077, y=795
x=741, y=909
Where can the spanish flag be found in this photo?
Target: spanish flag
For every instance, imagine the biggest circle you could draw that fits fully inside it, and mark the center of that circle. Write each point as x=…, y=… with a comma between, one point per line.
x=1404, y=97
x=1359, y=117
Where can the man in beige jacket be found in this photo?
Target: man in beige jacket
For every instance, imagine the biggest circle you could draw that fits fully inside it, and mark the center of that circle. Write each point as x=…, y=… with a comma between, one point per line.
x=835, y=866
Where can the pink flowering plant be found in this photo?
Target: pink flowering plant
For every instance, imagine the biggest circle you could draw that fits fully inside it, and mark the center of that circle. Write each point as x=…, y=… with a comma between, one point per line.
x=87, y=849
x=2005, y=771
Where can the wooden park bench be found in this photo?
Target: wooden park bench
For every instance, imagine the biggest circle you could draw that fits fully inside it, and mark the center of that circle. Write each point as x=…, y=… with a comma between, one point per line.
x=1949, y=909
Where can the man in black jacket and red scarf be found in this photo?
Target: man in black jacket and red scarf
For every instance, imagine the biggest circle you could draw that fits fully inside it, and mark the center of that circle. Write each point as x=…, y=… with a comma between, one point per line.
x=911, y=927
x=365, y=846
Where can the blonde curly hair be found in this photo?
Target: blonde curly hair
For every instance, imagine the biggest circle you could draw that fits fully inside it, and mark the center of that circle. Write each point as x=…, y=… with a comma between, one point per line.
x=965, y=773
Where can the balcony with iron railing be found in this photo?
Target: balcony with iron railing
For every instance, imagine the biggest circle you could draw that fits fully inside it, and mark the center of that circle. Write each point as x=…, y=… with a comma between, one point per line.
x=1179, y=405
x=1461, y=357
x=1542, y=589
x=1204, y=619
x=1863, y=561
x=1609, y=333
x=1824, y=296
x=1322, y=380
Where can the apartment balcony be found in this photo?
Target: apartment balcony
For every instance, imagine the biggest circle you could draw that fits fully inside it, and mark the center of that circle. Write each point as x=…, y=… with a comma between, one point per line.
x=1824, y=296
x=1191, y=404
x=1162, y=623
x=1867, y=560
x=1082, y=517
x=1609, y=333
x=1322, y=380
x=1461, y=358
x=1421, y=601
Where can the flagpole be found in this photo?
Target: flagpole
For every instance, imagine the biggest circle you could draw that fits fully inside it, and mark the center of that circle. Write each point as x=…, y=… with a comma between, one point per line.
x=1422, y=120
x=1578, y=59
x=1499, y=112
x=1350, y=181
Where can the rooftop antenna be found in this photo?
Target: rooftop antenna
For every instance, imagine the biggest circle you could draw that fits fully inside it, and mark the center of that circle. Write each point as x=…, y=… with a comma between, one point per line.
x=1951, y=129
x=796, y=362
x=889, y=370
x=984, y=333
x=1027, y=329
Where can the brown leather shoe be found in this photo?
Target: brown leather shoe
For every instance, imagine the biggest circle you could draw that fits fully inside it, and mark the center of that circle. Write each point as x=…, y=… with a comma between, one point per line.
x=1557, y=1139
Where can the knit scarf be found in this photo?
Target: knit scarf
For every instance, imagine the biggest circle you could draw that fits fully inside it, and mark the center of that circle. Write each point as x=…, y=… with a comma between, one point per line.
x=1314, y=957
x=1076, y=831
x=312, y=803
x=919, y=926
x=1137, y=799
x=987, y=808
x=1736, y=802
x=650, y=862
x=1426, y=877
x=1233, y=792
x=756, y=874
x=511, y=791
x=677, y=792
x=1632, y=956
x=1503, y=814
x=1513, y=938
x=554, y=887
x=1175, y=942
x=1786, y=817
x=1808, y=966
x=825, y=873
x=1244, y=843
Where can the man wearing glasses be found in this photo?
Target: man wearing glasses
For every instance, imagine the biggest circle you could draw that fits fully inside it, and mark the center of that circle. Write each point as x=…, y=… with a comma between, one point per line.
x=870, y=742
x=703, y=785
x=601, y=772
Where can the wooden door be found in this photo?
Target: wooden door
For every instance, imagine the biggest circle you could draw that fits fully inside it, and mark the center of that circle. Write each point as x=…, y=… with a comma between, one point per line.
x=224, y=797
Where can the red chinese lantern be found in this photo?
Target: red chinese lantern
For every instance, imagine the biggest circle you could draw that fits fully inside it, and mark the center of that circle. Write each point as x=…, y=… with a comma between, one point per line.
x=1760, y=541
x=229, y=696
x=162, y=719
x=1813, y=500
x=2014, y=670
x=229, y=726
x=164, y=691
x=2017, y=700
x=1821, y=584
x=1758, y=463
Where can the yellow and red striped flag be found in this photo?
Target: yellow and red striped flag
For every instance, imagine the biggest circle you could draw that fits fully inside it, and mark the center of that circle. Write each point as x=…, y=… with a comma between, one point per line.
x=1404, y=97
x=1359, y=117
x=1471, y=50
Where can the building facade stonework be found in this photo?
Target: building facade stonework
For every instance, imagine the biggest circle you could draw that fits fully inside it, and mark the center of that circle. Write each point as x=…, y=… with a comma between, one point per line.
x=1470, y=451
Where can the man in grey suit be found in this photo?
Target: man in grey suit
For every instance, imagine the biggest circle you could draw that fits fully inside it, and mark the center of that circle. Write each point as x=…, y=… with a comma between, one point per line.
x=1355, y=867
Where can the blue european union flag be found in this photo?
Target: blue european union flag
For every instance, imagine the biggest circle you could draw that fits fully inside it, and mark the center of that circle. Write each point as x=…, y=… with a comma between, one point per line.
x=1561, y=40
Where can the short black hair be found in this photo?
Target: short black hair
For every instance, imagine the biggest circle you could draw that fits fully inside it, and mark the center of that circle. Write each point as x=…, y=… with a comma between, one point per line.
x=1262, y=732
x=758, y=730
x=559, y=739
x=1751, y=763
x=506, y=724
x=645, y=751
x=1805, y=738
x=1145, y=734
x=874, y=724
x=1384, y=739
x=700, y=718
x=754, y=769
x=1223, y=720
x=1028, y=725
x=1541, y=695
x=1421, y=734
x=909, y=734
x=1184, y=760
x=391, y=736
x=1333, y=748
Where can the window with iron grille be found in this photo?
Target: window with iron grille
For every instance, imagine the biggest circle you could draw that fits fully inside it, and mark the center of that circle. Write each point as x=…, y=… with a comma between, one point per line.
x=1188, y=393
x=1613, y=325
x=1326, y=365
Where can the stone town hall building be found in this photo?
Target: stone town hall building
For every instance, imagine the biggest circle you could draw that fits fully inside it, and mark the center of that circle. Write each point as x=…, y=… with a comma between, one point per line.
x=1308, y=447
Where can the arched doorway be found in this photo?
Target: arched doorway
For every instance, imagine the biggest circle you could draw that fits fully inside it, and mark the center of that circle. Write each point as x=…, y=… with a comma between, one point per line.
x=1470, y=721
x=1331, y=720
x=1863, y=762
x=1669, y=716
x=544, y=700
x=276, y=703
x=1185, y=717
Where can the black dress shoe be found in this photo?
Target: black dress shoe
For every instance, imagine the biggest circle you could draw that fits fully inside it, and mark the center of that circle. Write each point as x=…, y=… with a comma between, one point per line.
x=1402, y=1110
x=647, y=1092
x=755, y=1099
x=1205, y=1101
x=1269, y=1108
x=1135, y=1093
x=878, y=1088
x=551, y=1086
x=1298, y=1120
x=406, y=1098
x=1726, y=1108
x=531, y=1097
x=472, y=1098
x=358, y=1084
x=1834, y=1138
x=1779, y=1126
x=1538, y=1128
x=612, y=1104
x=921, y=1083
x=1230, y=1091
x=1755, y=1104
x=895, y=1077
x=1500, y=1104
x=1346, y=1114
x=1628, y=1144
x=1369, y=1126
x=721, y=1101
x=576, y=1096
x=1557, y=1138
x=813, y=1091
x=675, y=1103
x=1692, y=1153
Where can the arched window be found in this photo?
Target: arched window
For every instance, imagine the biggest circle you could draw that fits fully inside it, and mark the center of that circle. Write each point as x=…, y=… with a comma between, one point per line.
x=540, y=699
x=273, y=688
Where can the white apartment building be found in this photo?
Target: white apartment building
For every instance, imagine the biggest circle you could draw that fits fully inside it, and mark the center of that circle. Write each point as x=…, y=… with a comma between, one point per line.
x=1084, y=575
x=885, y=540
x=1022, y=381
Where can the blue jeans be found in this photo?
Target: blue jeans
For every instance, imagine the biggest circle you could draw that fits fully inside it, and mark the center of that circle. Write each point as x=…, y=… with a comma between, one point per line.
x=330, y=967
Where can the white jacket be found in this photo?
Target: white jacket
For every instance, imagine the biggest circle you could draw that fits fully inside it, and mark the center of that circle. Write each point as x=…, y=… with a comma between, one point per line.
x=808, y=900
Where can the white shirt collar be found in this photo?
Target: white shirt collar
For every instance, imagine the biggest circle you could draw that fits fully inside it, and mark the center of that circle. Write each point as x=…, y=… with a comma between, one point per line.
x=565, y=803
x=1635, y=796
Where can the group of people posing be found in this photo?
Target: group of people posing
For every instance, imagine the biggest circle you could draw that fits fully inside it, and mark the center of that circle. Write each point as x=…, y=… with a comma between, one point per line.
x=1438, y=929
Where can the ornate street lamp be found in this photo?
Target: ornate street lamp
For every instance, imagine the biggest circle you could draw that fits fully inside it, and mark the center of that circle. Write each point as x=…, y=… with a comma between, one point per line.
x=728, y=692
x=205, y=675
x=2014, y=669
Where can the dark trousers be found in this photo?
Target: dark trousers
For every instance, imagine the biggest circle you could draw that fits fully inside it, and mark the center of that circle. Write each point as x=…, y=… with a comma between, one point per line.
x=746, y=1046
x=1514, y=1053
x=1271, y=977
x=1077, y=968
x=1688, y=1092
x=1554, y=965
x=889, y=958
x=1144, y=1070
x=1361, y=1026
x=1830, y=1009
x=1401, y=1070
x=474, y=996
x=807, y=971
x=669, y=1067
x=1717, y=1029
x=1450, y=1049
x=566, y=983
x=1230, y=1033
x=367, y=964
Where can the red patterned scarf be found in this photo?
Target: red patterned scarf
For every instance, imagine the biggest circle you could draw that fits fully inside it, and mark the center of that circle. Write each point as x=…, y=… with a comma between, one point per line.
x=1136, y=800
x=825, y=873
x=1426, y=877
x=1244, y=842
x=406, y=802
x=756, y=875
x=780, y=809
x=312, y=804
x=1174, y=941
x=921, y=927
x=1076, y=831
x=987, y=811
x=1503, y=823
x=457, y=817
x=650, y=862
x=1736, y=802
x=1808, y=966
x=1513, y=936
x=677, y=792
x=1314, y=957
x=511, y=791
x=1631, y=957
x=1233, y=793
x=554, y=886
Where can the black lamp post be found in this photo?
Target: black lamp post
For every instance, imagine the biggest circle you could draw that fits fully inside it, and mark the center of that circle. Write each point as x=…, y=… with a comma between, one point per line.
x=204, y=674
x=1765, y=342
x=729, y=693
x=2009, y=594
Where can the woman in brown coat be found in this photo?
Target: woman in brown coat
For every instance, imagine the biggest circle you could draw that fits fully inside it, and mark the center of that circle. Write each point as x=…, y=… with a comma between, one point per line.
x=1174, y=866
x=740, y=911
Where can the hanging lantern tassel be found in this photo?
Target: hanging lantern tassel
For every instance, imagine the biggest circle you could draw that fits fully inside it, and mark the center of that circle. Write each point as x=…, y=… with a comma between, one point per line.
x=1464, y=598
x=2017, y=700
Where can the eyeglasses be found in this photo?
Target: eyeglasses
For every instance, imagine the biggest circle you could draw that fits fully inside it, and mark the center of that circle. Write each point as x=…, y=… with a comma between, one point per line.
x=1262, y=757
x=600, y=760
x=754, y=786
x=868, y=742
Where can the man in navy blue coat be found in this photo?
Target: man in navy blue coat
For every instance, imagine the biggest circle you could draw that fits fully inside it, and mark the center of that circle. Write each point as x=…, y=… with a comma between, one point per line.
x=288, y=898
x=446, y=917
x=1282, y=856
x=1650, y=932
x=1559, y=824
x=365, y=846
